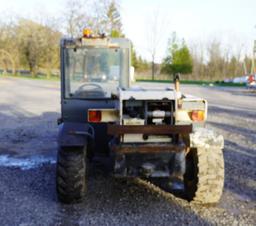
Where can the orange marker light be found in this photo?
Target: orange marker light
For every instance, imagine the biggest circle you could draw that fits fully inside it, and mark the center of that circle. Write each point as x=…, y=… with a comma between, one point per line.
x=197, y=116
x=94, y=116
x=87, y=33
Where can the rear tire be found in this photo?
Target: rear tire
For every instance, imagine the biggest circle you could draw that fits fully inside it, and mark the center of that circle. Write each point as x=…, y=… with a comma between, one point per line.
x=71, y=174
x=204, y=176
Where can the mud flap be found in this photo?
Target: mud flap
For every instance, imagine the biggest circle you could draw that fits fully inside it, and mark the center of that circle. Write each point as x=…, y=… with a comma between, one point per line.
x=74, y=134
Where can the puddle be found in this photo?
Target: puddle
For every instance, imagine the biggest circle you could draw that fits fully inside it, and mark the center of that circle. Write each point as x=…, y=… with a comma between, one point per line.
x=25, y=163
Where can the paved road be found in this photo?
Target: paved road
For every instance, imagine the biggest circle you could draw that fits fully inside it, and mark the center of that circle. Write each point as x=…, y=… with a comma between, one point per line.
x=28, y=113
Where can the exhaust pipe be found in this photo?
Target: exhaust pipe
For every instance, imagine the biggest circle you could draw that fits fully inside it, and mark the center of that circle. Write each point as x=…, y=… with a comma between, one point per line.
x=177, y=87
x=177, y=82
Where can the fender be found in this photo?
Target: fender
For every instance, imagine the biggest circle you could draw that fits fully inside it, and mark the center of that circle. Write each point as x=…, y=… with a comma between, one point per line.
x=74, y=134
x=206, y=138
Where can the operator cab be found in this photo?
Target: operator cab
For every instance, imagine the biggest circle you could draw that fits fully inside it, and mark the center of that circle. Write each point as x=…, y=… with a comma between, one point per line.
x=92, y=70
x=94, y=67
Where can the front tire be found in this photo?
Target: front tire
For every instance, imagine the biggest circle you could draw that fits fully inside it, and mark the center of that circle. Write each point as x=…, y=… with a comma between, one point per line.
x=71, y=174
x=204, y=176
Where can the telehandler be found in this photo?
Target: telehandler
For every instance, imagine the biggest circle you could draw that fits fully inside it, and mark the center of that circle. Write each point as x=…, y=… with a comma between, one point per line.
x=135, y=131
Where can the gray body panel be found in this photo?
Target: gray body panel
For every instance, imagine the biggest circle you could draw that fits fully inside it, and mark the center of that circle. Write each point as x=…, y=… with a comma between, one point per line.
x=74, y=117
x=71, y=134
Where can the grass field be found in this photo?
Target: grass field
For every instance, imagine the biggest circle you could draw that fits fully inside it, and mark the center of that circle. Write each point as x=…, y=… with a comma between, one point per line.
x=191, y=82
x=28, y=76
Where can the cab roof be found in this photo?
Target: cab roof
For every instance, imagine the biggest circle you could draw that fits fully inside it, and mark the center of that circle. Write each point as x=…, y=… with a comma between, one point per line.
x=95, y=42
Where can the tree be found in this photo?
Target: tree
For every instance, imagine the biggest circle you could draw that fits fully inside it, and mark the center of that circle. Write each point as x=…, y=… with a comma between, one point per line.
x=38, y=45
x=114, y=24
x=179, y=59
x=134, y=58
x=52, y=37
x=9, y=54
x=155, y=27
x=50, y=50
x=75, y=16
x=101, y=16
x=138, y=63
x=7, y=59
x=30, y=40
x=197, y=51
x=247, y=64
x=216, y=62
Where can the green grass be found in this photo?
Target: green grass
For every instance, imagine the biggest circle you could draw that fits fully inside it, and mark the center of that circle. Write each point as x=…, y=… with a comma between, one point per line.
x=192, y=82
x=28, y=76
x=230, y=84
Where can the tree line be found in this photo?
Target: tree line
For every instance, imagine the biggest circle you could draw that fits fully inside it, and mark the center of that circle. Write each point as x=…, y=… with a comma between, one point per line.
x=211, y=62
x=34, y=46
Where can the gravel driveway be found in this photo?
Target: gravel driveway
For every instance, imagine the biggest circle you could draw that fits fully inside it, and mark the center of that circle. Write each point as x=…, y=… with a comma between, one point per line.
x=28, y=113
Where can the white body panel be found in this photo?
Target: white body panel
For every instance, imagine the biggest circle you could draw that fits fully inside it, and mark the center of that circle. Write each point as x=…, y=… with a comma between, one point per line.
x=148, y=94
x=137, y=93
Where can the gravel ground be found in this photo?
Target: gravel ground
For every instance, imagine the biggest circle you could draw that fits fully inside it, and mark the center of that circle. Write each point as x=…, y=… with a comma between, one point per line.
x=28, y=113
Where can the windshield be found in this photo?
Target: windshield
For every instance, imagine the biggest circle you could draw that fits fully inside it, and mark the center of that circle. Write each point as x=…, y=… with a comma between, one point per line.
x=95, y=72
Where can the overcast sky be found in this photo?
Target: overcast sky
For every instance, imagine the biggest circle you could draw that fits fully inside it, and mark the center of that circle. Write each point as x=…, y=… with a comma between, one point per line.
x=231, y=21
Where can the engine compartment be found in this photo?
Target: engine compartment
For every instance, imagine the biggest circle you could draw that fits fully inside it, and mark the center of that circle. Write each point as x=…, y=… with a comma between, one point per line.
x=147, y=112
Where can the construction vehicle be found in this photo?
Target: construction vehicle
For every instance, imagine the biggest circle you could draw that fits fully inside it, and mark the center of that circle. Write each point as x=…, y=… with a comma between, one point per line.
x=132, y=131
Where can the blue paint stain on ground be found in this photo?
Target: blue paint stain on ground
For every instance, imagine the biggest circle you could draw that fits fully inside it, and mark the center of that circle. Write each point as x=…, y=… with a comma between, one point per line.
x=25, y=163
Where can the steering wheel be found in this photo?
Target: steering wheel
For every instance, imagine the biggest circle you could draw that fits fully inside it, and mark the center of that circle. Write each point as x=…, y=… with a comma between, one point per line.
x=90, y=84
x=95, y=91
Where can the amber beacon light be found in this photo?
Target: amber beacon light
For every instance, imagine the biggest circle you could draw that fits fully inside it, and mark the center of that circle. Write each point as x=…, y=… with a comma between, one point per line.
x=87, y=33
